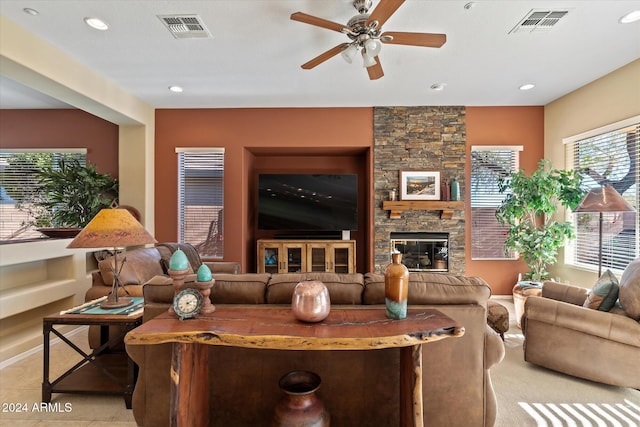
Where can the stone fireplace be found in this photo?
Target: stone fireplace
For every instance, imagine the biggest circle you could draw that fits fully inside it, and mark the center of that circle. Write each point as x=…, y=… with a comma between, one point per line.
x=426, y=139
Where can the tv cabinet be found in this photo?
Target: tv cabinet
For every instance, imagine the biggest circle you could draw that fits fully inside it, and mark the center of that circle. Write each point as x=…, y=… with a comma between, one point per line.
x=303, y=256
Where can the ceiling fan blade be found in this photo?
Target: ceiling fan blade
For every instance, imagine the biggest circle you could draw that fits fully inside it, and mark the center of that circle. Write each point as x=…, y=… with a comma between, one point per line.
x=318, y=22
x=375, y=71
x=324, y=56
x=383, y=11
x=415, y=39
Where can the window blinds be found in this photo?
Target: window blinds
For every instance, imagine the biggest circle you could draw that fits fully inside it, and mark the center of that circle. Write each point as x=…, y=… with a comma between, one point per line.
x=488, y=165
x=201, y=199
x=606, y=156
x=18, y=184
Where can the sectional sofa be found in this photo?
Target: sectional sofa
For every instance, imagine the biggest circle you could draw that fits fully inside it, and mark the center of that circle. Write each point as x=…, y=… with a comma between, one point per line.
x=359, y=388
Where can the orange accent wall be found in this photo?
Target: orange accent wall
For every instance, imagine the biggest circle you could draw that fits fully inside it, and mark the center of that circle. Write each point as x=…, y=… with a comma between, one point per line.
x=292, y=138
x=502, y=126
x=62, y=129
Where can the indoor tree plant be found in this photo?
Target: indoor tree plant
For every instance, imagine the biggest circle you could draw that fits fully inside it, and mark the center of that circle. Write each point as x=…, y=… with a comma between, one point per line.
x=70, y=195
x=528, y=212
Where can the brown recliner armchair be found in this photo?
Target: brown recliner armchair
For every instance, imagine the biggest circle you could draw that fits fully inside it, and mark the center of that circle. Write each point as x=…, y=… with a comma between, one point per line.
x=562, y=335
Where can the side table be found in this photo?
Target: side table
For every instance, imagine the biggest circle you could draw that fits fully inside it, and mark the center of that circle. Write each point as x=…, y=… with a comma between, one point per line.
x=521, y=291
x=103, y=371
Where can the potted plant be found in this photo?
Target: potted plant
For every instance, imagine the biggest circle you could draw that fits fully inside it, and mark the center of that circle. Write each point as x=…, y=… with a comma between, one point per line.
x=70, y=195
x=528, y=212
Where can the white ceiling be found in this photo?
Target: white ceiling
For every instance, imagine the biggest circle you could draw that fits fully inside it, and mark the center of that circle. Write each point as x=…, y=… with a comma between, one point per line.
x=254, y=56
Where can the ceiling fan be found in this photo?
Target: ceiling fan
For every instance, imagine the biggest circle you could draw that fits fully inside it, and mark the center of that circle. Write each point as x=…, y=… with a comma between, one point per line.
x=366, y=34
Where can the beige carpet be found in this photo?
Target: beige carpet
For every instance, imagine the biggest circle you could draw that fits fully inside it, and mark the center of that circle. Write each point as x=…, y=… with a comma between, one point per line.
x=527, y=395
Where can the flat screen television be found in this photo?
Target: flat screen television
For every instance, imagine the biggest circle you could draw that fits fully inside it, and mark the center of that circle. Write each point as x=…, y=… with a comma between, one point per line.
x=307, y=202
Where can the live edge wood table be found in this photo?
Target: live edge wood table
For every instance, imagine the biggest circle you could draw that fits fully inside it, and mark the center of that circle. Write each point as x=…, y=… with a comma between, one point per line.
x=102, y=371
x=276, y=328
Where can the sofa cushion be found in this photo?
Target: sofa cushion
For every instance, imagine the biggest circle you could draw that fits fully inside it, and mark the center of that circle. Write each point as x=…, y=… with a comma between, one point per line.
x=604, y=293
x=239, y=288
x=141, y=265
x=432, y=288
x=343, y=288
x=629, y=294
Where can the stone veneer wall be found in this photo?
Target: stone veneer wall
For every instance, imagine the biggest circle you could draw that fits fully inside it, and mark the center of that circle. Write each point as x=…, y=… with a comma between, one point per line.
x=418, y=138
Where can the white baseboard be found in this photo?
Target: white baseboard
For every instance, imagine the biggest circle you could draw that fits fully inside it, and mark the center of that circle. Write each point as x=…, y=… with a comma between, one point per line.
x=502, y=297
x=40, y=348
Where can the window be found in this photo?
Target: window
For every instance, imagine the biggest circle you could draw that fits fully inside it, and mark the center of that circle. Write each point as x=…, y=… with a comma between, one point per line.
x=200, y=199
x=488, y=165
x=18, y=184
x=608, y=155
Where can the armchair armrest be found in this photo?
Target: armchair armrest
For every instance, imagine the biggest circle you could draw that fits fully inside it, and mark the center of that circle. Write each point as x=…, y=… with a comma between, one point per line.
x=493, y=348
x=564, y=292
x=610, y=326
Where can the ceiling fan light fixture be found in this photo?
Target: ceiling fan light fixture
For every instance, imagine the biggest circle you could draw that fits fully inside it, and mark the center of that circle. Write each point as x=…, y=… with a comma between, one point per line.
x=30, y=11
x=372, y=47
x=630, y=17
x=96, y=23
x=368, y=60
x=349, y=53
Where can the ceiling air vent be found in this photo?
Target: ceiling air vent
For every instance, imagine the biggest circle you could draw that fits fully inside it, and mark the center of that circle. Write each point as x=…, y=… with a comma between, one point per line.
x=185, y=26
x=539, y=20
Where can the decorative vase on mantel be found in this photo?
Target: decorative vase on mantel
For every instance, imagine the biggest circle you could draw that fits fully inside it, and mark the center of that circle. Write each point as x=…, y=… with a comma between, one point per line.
x=396, y=287
x=300, y=406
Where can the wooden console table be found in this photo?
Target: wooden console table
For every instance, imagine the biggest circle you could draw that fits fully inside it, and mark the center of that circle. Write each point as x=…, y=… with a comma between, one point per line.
x=276, y=328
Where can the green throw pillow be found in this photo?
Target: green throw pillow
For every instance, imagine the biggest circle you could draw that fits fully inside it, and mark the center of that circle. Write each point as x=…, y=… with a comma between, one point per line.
x=604, y=294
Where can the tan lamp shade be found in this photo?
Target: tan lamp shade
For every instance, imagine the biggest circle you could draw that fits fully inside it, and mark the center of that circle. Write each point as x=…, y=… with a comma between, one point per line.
x=114, y=228
x=604, y=199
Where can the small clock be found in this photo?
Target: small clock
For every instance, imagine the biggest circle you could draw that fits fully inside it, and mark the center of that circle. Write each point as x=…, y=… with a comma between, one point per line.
x=187, y=303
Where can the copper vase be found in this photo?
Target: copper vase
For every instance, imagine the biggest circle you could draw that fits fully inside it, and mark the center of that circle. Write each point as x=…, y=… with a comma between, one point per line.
x=310, y=301
x=300, y=407
x=396, y=288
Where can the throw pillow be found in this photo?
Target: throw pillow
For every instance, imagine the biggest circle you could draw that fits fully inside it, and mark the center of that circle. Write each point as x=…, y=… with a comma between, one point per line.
x=630, y=290
x=604, y=294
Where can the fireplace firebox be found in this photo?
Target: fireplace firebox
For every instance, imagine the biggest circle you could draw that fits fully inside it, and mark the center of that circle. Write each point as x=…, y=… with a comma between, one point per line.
x=423, y=251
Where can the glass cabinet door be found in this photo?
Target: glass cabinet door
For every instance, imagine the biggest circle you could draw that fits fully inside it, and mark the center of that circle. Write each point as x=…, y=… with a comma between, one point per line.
x=317, y=258
x=270, y=258
x=342, y=259
x=295, y=263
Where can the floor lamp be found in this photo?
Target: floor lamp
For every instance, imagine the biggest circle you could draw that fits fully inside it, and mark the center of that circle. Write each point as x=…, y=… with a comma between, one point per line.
x=603, y=199
x=113, y=228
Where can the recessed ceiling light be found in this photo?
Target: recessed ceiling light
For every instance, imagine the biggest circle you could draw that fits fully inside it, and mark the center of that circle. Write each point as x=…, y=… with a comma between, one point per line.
x=527, y=86
x=96, y=23
x=176, y=89
x=630, y=17
x=438, y=86
x=30, y=11
x=470, y=5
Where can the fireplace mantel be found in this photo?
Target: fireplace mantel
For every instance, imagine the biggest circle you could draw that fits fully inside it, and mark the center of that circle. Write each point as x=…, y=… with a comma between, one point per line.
x=446, y=208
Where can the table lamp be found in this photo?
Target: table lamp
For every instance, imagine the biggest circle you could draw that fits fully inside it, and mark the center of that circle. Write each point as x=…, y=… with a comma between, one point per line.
x=113, y=228
x=603, y=199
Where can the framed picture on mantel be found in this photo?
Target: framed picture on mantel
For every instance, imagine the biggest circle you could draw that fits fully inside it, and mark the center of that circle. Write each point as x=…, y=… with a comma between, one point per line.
x=419, y=185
